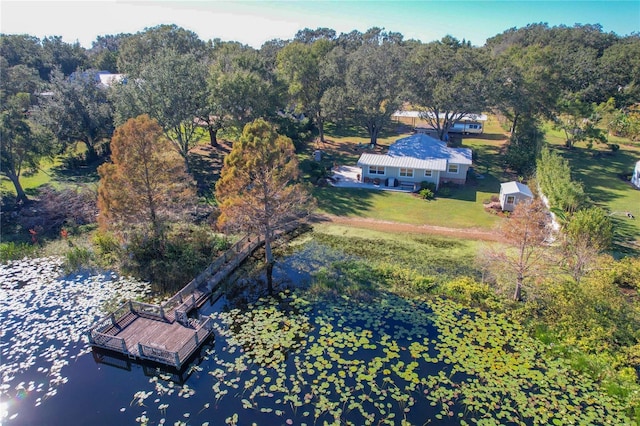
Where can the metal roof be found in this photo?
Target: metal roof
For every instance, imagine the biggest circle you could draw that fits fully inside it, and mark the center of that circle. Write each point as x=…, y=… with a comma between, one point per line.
x=418, y=114
x=424, y=147
x=408, y=162
x=514, y=187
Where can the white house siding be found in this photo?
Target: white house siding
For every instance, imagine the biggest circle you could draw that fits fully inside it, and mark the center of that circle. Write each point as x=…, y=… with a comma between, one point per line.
x=635, y=177
x=419, y=153
x=393, y=165
x=459, y=178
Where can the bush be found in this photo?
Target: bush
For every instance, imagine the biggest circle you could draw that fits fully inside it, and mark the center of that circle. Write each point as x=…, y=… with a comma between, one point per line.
x=554, y=176
x=445, y=191
x=170, y=261
x=468, y=290
x=77, y=259
x=55, y=209
x=426, y=194
x=13, y=251
x=428, y=185
x=108, y=249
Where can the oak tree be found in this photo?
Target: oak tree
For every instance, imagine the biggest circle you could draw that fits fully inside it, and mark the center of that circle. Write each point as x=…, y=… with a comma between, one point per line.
x=145, y=184
x=301, y=65
x=368, y=87
x=258, y=190
x=170, y=90
x=447, y=81
x=24, y=143
x=77, y=110
x=239, y=89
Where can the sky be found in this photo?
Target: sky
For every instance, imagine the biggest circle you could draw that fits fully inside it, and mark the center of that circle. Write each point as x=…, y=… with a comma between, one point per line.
x=254, y=22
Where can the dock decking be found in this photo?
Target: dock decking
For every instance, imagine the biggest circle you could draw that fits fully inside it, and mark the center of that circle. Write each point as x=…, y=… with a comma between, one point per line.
x=166, y=333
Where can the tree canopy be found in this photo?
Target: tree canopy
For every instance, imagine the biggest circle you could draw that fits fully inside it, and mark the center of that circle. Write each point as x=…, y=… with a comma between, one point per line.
x=258, y=189
x=171, y=90
x=77, y=109
x=367, y=82
x=447, y=81
x=300, y=64
x=525, y=232
x=23, y=142
x=143, y=186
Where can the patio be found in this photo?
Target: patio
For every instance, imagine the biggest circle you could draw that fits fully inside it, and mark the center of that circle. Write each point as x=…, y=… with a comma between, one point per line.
x=349, y=177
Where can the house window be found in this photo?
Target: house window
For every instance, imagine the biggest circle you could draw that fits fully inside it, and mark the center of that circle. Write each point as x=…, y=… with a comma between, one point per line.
x=406, y=172
x=376, y=170
x=453, y=168
x=428, y=173
x=511, y=199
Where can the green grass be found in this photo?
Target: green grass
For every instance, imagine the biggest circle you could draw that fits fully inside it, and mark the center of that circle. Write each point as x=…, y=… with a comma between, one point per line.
x=53, y=172
x=601, y=172
x=31, y=180
x=440, y=257
x=462, y=209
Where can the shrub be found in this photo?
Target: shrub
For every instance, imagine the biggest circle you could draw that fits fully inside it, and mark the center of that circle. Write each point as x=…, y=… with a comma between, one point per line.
x=13, y=251
x=108, y=249
x=78, y=258
x=426, y=194
x=428, y=185
x=554, y=176
x=445, y=191
x=614, y=147
x=171, y=260
x=468, y=290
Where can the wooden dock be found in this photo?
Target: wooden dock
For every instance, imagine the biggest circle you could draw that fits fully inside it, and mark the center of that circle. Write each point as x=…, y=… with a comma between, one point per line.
x=166, y=333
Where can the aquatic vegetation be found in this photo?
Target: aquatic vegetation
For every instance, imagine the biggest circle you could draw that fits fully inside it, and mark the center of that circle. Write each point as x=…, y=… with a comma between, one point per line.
x=307, y=357
x=44, y=320
x=389, y=360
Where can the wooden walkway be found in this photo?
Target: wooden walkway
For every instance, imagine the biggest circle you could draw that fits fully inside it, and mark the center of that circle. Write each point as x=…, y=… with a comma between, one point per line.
x=166, y=333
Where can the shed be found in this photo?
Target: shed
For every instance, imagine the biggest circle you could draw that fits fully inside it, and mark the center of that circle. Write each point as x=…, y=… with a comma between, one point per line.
x=635, y=177
x=511, y=193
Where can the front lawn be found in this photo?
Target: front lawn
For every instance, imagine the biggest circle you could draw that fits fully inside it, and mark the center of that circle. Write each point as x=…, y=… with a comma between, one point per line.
x=462, y=209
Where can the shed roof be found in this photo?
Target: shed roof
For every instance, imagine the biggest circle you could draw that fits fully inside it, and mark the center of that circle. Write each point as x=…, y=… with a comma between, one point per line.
x=514, y=187
x=408, y=162
x=425, y=147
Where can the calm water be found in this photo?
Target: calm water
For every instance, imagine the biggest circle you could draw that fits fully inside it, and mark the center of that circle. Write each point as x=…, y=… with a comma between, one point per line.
x=290, y=359
x=51, y=377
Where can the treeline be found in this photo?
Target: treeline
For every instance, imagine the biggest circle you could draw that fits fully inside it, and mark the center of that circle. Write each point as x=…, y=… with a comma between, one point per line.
x=584, y=79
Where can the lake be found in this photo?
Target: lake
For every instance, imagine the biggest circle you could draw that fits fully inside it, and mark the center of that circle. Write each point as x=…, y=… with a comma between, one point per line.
x=295, y=357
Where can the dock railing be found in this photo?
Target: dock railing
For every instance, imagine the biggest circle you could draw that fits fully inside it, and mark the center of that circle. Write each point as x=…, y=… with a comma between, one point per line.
x=147, y=310
x=102, y=334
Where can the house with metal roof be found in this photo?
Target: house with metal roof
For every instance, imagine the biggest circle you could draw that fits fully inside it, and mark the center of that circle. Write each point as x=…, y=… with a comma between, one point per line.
x=415, y=159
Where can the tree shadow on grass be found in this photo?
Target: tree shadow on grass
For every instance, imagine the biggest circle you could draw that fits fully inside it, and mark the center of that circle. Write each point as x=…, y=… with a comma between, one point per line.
x=600, y=172
x=76, y=172
x=344, y=201
x=351, y=130
x=487, y=136
x=625, y=237
x=206, y=164
x=486, y=158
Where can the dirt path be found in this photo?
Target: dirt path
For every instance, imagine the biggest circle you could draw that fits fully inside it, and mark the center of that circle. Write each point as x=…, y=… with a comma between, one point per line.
x=387, y=226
